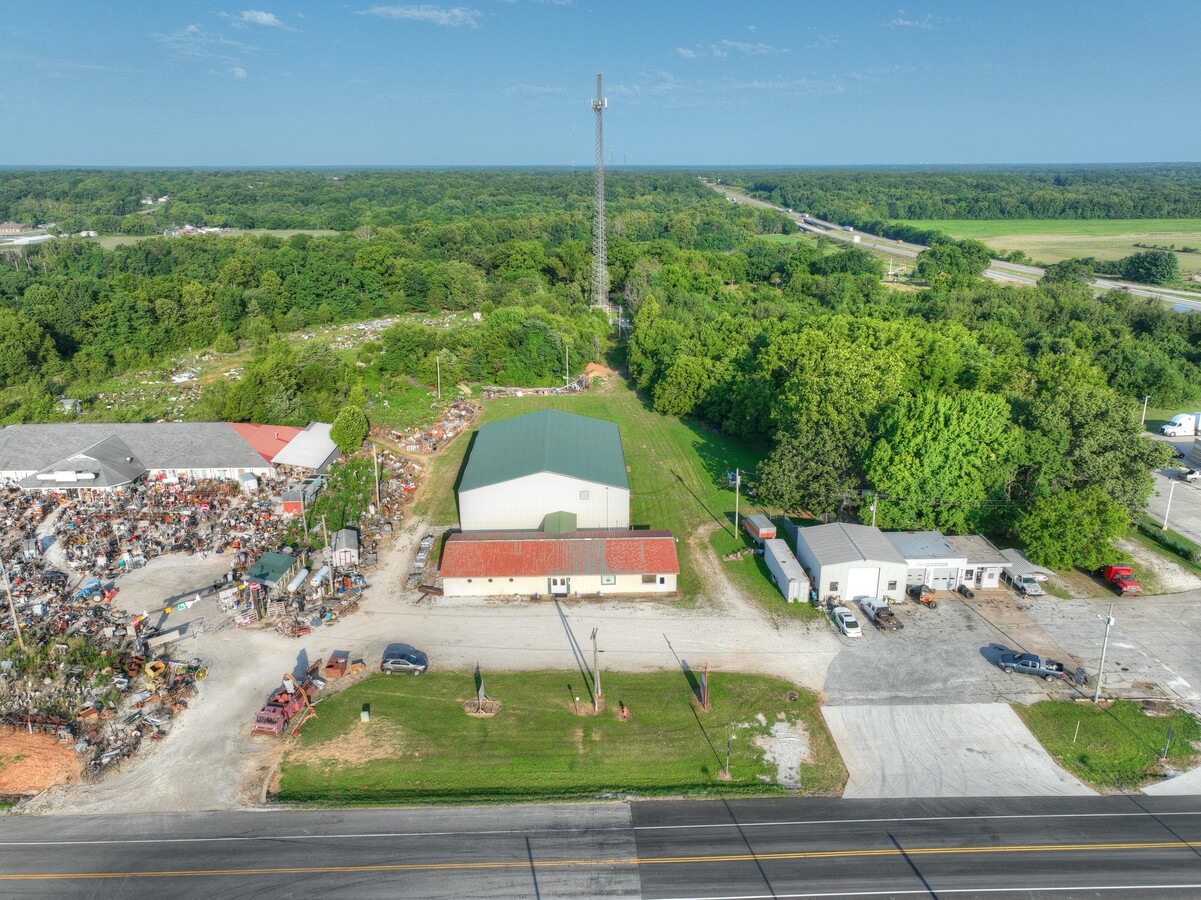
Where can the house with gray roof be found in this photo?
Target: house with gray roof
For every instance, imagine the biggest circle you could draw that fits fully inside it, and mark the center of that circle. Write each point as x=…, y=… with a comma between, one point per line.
x=524, y=470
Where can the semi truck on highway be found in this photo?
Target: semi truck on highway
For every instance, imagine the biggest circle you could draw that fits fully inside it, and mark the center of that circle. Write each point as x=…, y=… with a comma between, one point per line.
x=1181, y=425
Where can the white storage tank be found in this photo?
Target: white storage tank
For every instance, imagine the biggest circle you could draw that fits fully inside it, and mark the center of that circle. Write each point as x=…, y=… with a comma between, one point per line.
x=786, y=572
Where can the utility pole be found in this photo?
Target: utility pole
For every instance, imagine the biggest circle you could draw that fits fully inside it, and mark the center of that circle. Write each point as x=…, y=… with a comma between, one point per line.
x=1146, y=400
x=566, y=364
x=874, y=511
x=1104, y=647
x=328, y=550
x=737, y=491
x=600, y=267
x=375, y=454
x=438, y=363
x=11, y=608
x=597, y=694
x=1168, y=508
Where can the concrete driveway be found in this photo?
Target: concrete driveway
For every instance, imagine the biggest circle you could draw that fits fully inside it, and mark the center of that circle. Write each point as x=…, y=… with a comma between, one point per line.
x=941, y=750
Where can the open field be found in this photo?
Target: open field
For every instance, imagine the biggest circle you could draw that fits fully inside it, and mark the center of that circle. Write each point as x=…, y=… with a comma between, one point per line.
x=1119, y=746
x=1052, y=240
x=677, y=469
x=542, y=745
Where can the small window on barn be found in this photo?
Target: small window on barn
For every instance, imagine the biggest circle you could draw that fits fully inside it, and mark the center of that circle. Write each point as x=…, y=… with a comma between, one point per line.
x=583, y=495
x=469, y=581
x=662, y=579
x=892, y=585
x=833, y=585
x=969, y=575
x=648, y=579
x=510, y=581
x=608, y=579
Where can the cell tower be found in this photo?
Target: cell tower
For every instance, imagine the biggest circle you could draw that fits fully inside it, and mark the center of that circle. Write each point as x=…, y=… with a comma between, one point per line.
x=600, y=268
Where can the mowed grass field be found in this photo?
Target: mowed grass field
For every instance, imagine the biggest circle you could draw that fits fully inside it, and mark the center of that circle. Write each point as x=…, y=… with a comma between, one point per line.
x=421, y=745
x=1052, y=240
x=677, y=469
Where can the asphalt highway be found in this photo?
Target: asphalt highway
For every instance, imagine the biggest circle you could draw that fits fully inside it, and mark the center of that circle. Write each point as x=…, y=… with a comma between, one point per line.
x=998, y=270
x=1134, y=847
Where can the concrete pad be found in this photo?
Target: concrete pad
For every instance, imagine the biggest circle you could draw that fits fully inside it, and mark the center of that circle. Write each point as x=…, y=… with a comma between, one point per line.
x=961, y=750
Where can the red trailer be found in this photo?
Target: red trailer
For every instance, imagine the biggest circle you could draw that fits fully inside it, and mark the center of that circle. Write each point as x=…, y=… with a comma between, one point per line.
x=760, y=528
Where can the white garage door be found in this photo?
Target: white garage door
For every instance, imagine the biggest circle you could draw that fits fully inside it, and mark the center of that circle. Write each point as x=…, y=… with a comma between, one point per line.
x=863, y=583
x=942, y=578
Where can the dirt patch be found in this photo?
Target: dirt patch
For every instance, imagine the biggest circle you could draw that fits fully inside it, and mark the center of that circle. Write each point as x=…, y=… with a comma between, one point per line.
x=364, y=742
x=596, y=370
x=786, y=747
x=30, y=763
x=1172, y=577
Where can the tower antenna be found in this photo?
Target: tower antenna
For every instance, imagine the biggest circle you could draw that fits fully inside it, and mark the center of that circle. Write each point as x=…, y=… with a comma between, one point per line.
x=600, y=268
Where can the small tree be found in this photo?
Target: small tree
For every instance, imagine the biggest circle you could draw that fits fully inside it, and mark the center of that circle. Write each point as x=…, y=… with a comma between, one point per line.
x=350, y=429
x=1151, y=267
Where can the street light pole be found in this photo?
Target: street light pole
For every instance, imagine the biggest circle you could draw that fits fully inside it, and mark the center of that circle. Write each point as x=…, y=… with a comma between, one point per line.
x=1145, y=400
x=1168, y=508
x=1104, y=648
x=597, y=694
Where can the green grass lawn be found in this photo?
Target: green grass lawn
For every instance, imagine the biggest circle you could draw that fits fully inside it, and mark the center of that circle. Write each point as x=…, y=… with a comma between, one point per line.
x=677, y=468
x=421, y=746
x=1052, y=240
x=1118, y=747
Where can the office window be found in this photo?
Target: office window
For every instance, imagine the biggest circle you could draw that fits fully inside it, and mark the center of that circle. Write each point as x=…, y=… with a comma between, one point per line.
x=648, y=579
x=833, y=585
x=892, y=585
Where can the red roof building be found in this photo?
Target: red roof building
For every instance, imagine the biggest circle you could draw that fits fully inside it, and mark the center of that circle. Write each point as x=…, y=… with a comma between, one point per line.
x=266, y=440
x=593, y=563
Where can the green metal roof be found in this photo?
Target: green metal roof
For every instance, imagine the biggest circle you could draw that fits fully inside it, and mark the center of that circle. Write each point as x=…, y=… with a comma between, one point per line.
x=271, y=567
x=546, y=441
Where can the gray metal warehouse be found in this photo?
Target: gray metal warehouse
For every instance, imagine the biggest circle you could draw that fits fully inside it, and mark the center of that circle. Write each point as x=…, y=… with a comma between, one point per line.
x=851, y=561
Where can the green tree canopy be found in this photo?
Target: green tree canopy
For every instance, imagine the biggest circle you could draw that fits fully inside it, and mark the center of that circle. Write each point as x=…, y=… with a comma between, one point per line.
x=1072, y=528
x=350, y=429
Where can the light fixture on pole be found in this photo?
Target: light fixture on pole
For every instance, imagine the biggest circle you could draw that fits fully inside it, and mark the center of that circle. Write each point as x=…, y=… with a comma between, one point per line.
x=1104, y=648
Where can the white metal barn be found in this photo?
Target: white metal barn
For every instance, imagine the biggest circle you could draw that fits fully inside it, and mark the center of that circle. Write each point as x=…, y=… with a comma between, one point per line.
x=851, y=561
x=525, y=469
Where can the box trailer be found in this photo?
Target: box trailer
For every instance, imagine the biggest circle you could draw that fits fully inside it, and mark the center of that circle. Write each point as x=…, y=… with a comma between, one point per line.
x=760, y=528
x=786, y=572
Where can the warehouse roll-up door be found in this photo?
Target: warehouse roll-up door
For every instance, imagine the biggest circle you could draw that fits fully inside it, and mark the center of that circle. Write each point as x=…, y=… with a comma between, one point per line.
x=942, y=579
x=863, y=583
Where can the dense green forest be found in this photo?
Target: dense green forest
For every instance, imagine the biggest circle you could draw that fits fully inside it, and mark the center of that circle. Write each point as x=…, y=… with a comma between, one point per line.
x=965, y=405
x=866, y=198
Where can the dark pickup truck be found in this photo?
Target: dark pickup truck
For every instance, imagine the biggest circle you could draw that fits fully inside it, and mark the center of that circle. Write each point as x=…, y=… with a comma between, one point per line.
x=1029, y=664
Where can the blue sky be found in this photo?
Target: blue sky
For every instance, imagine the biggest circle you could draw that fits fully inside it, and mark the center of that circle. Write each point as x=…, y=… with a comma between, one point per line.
x=507, y=82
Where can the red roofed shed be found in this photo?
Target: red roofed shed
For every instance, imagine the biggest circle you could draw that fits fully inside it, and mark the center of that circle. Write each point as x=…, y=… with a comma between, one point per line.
x=499, y=563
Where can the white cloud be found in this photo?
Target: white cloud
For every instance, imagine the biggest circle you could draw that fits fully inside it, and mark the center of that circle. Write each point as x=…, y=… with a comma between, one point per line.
x=532, y=90
x=450, y=17
x=902, y=20
x=258, y=17
x=824, y=42
x=238, y=72
x=725, y=48
x=195, y=42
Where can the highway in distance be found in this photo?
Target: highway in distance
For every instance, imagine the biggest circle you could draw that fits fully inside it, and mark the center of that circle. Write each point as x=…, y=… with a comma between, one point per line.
x=1136, y=847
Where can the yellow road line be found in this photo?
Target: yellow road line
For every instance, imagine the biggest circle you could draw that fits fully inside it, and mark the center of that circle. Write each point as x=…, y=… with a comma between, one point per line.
x=618, y=861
